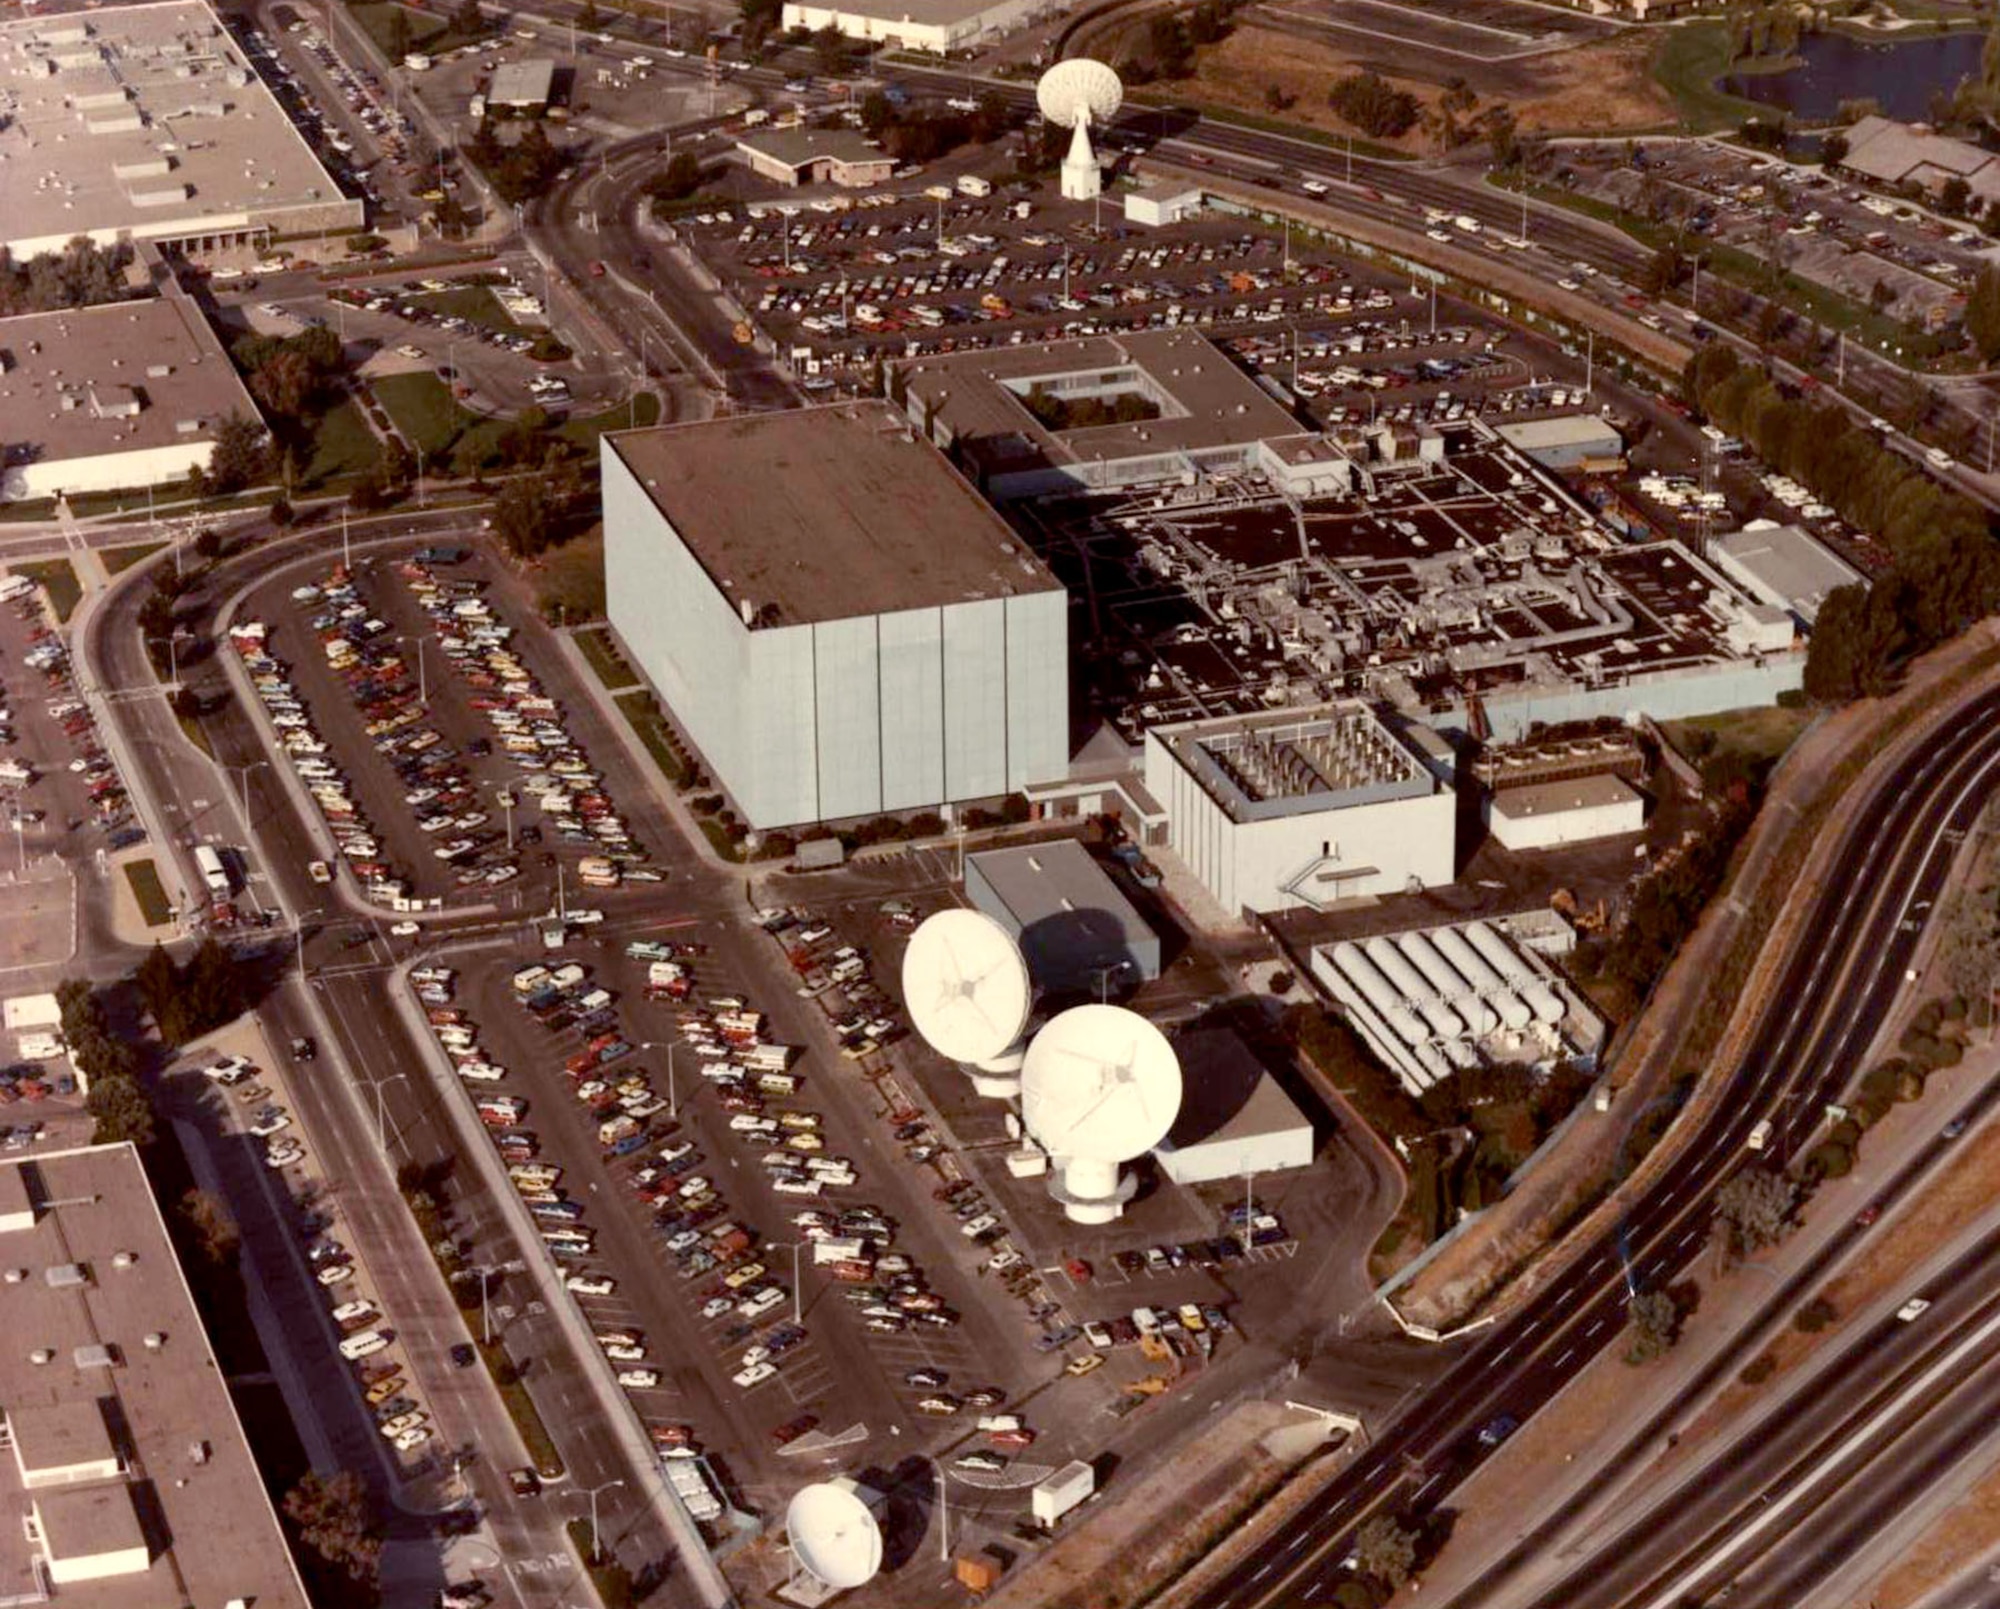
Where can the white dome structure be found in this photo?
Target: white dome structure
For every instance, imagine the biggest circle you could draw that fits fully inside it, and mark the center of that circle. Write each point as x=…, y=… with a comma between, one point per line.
x=966, y=985
x=833, y=1535
x=1100, y=1086
x=1075, y=95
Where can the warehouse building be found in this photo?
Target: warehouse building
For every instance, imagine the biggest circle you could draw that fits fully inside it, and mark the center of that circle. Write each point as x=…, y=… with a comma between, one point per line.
x=836, y=620
x=801, y=156
x=127, y=394
x=1079, y=934
x=1234, y=1117
x=939, y=26
x=1447, y=999
x=1543, y=815
x=148, y=122
x=125, y=1469
x=1896, y=154
x=1575, y=441
x=1784, y=567
x=1298, y=809
x=1160, y=204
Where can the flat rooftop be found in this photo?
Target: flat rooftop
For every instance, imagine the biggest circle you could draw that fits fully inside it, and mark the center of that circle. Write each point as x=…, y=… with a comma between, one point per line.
x=126, y=1355
x=1205, y=400
x=827, y=514
x=928, y=12
x=1055, y=879
x=1560, y=797
x=1564, y=430
x=141, y=119
x=119, y=378
x=1290, y=762
x=1786, y=566
x=795, y=147
x=1227, y=1094
x=522, y=83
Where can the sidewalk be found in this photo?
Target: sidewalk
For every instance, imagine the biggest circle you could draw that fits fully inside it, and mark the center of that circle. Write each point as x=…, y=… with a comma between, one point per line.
x=1494, y=1249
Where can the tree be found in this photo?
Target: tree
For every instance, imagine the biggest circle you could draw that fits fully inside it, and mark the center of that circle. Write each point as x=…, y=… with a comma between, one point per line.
x=466, y=20
x=678, y=180
x=1169, y=47
x=589, y=19
x=121, y=1109
x=399, y=34
x=238, y=458
x=284, y=384
x=1832, y=150
x=213, y=1226
x=1982, y=314
x=82, y=274
x=1755, y=1207
x=1374, y=105
x=186, y=703
x=878, y=112
x=281, y=512
x=830, y=49
x=1385, y=1549
x=332, y=1514
x=1656, y=1322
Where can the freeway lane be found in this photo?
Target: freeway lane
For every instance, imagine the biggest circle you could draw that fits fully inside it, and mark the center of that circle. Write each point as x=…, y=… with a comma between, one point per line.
x=1896, y=851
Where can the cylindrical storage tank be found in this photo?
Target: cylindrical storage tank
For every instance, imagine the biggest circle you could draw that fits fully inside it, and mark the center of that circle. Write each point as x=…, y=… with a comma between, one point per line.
x=1375, y=989
x=1460, y=1054
x=1414, y=989
x=1499, y=953
x=1543, y=1002
x=1423, y=955
x=1434, y=1065
x=1491, y=987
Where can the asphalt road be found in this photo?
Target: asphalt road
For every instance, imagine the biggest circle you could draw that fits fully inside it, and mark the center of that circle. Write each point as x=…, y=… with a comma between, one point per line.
x=1838, y=986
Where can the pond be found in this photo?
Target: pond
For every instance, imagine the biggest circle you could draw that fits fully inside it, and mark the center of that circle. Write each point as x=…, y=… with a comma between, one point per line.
x=1901, y=76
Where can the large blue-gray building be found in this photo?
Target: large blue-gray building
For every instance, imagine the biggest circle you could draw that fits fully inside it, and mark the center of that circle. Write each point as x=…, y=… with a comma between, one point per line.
x=838, y=622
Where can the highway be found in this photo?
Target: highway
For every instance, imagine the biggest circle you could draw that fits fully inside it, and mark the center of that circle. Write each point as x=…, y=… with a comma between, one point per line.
x=1838, y=986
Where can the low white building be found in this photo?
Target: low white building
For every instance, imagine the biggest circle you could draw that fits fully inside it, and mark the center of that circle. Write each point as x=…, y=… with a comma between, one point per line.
x=1783, y=567
x=1302, y=808
x=938, y=26
x=1158, y=205
x=1234, y=1117
x=98, y=399
x=1543, y=815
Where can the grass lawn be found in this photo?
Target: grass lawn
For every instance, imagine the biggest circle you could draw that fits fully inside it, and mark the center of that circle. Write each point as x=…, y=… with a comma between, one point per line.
x=116, y=559
x=570, y=584
x=584, y=432
x=476, y=304
x=643, y=711
x=527, y=1417
x=425, y=411
x=59, y=576
x=34, y=508
x=1688, y=62
x=154, y=907
x=342, y=445
x=425, y=30
x=604, y=658
x=1760, y=735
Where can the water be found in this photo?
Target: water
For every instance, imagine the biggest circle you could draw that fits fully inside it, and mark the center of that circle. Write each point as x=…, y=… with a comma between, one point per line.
x=1901, y=76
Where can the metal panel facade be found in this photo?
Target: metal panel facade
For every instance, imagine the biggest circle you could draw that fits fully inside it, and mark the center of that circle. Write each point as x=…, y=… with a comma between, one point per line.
x=780, y=782
x=975, y=699
x=1037, y=688
x=909, y=652
x=847, y=692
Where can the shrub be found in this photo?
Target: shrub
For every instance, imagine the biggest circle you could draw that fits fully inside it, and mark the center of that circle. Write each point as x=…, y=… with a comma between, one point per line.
x=1815, y=1316
x=1758, y=1369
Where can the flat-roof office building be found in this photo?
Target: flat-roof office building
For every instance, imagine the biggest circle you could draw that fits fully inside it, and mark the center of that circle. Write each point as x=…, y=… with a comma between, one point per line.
x=1076, y=930
x=148, y=123
x=835, y=618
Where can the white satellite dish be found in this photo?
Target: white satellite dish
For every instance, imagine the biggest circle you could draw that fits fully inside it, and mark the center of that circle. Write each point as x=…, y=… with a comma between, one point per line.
x=966, y=985
x=1100, y=1085
x=1075, y=95
x=834, y=1535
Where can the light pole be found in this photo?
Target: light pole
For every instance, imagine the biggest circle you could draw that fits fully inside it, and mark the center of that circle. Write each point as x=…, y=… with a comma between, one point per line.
x=299, y=937
x=669, y=1046
x=242, y=773
x=596, y=1550
x=484, y=1273
x=944, y=1511
x=173, y=663
x=504, y=797
x=798, y=1290
x=423, y=682
x=382, y=1111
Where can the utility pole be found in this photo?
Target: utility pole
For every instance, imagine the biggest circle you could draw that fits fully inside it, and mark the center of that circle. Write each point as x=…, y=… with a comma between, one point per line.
x=346, y=552
x=1589, y=359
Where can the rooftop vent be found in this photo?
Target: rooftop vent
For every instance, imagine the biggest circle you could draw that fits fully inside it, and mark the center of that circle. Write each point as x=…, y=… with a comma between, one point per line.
x=61, y=1276
x=123, y=1259
x=42, y=1354
x=94, y=1357
x=14, y=1276
x=155, y=1339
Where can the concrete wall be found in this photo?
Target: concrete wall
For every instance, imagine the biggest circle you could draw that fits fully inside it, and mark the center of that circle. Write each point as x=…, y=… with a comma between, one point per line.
x=1231, y=1159
x=107, y=472
x=1248, y=865
x=831, y=719
x=1668, y=696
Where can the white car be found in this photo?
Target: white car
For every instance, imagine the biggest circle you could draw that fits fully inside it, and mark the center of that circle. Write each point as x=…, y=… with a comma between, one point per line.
x=716, y=1307
x=590, y=1285
x=284, y=1154
x=755, y=1375
x=639, y=1379
x=335, y=1273
x=350, y=1312
x=270, y=1121
x=230, y=1070
x=411, y=1439
x=618, y=1352
x=392, y=1428
x=406, y=930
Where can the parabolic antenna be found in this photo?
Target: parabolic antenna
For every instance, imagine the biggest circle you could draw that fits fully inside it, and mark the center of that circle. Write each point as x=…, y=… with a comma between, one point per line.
x=1100, y=1086
x=1075, y=95
x=1080, y=91
x=966, y=985
x=834, y=1536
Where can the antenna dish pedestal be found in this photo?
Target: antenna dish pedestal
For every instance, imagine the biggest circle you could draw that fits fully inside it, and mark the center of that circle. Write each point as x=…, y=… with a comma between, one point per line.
x=1090, y=1191
x=1074, y=95
x=1082, y=179
x=1101, y=1086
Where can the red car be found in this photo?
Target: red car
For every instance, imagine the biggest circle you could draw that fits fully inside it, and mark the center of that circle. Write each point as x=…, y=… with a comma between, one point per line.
x=1078, y=1270
x=792, y=1429
x=597, y=270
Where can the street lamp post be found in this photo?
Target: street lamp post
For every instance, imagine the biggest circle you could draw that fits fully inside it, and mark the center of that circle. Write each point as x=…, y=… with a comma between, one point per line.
x=382, y=1111
x=242, y=773
x=423, y=680
x=596, y=1548
x=173, y=662
x=505, y=799
x=673, y=1097
x=299, y=937
x=798, y=1289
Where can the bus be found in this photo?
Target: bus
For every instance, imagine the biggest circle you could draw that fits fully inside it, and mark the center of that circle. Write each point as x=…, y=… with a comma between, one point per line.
x=209, y=864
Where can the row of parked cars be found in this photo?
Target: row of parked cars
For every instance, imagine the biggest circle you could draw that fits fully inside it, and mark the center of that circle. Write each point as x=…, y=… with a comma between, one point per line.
x=110, y=806
x=527, y=722
x=404, y=302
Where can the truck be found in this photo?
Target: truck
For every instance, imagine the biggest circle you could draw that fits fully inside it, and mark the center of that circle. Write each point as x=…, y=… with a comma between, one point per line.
x=839, y=1249
x=970, y=184
x=1759, y=1136
x=729, y=1239
x=595, y=871
x=622, y=1127
x=209, y=864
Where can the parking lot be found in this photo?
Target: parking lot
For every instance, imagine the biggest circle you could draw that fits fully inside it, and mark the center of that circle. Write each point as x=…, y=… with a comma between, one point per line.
x=434, y=743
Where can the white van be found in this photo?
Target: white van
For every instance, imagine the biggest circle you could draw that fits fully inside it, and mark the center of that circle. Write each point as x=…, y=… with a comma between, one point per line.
x=366, y=1344
x=1759, y=1136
